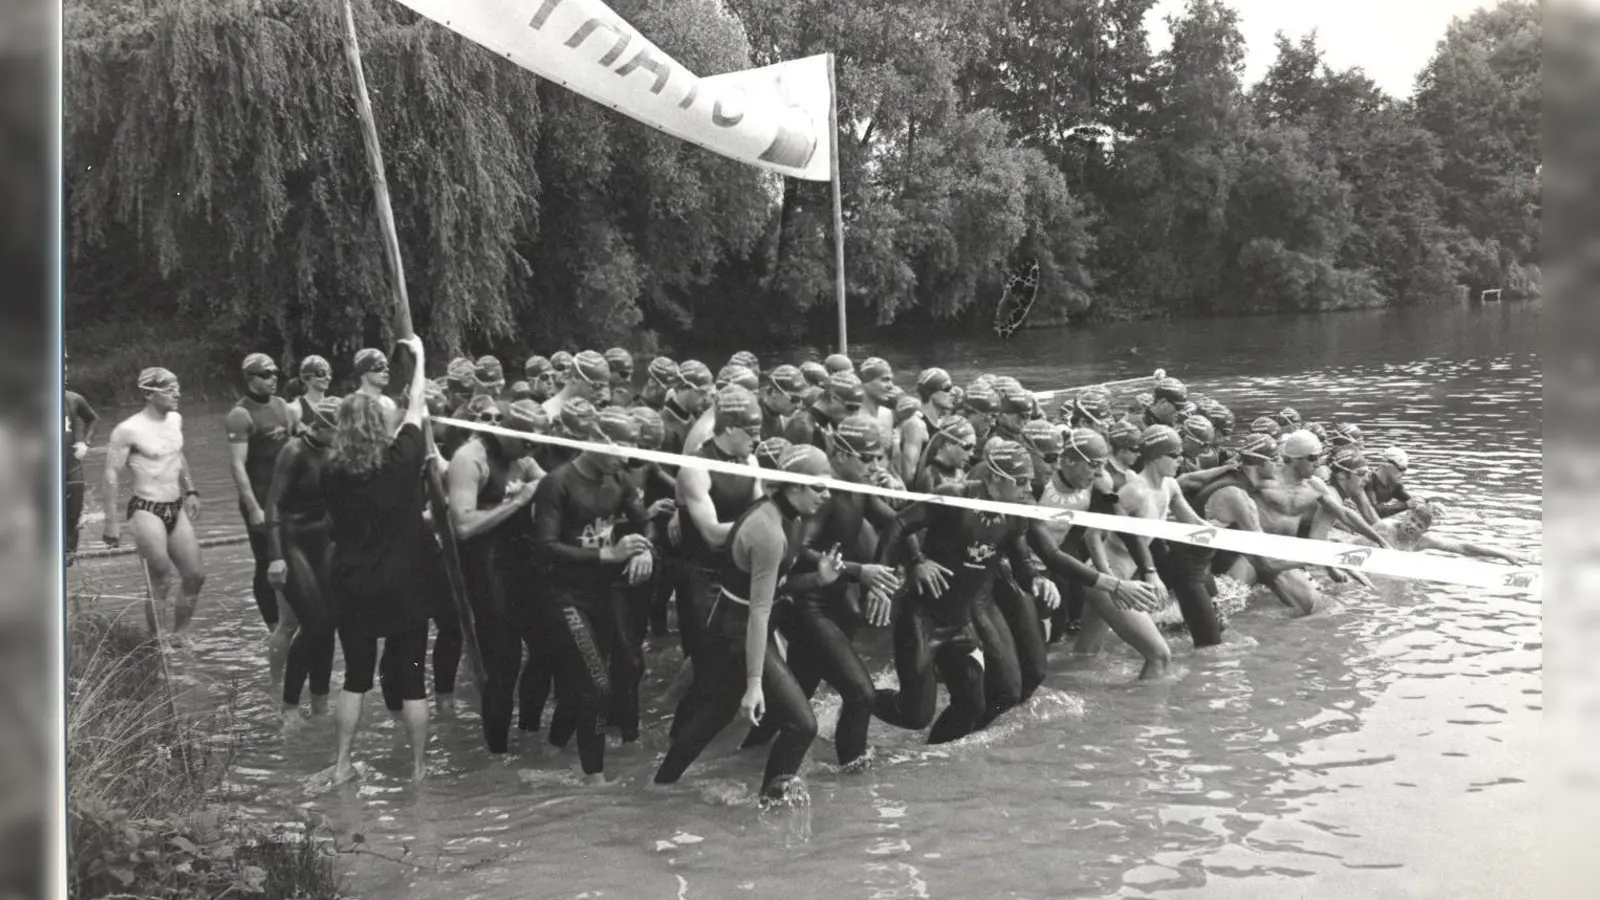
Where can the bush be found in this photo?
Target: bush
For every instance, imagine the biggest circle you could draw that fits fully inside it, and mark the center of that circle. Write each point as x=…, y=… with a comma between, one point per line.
x=141, y=778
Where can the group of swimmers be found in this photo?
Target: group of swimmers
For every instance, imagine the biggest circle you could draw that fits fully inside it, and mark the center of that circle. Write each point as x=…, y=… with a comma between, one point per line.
x=569, y=558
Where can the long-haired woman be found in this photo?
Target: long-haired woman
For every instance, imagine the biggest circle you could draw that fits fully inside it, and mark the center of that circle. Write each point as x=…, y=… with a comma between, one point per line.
x=374, y=494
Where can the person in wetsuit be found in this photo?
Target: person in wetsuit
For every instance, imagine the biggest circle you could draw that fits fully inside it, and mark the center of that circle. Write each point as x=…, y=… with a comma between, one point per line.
x=780, y=399
x=300, y=557
x=740, y=670
x=946, y=455
x=812, y=425
x=689, y=397
x=821, y=623
x=491, y=481
x=258, y=427
x=620, y=391
x=634, y=602
x=577, y=509
x=933, y=389
x=953, y=558
x=661, y=379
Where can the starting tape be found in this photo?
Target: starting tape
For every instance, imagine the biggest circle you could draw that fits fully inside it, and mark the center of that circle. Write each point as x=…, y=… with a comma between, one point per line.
x=1408, y=565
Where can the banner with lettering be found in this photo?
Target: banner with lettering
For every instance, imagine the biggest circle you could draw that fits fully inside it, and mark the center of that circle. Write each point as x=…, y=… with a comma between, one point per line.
x=774, y=117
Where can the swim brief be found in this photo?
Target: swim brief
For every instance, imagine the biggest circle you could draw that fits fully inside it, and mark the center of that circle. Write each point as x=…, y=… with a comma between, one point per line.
x=165, y=510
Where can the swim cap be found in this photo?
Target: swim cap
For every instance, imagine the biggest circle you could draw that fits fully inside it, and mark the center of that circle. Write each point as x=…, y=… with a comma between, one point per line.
x=521, y=390
x=1198, y=428
x=1289, y=418
x=982, y=399
x=480, y=404
x=1301, y=443
x=845, y=387
x=156, y=378
x=618, y=427
x=257, y=363
x=1142, y=401
x=738, y=375
x=804, y=459
x=933, y=381
x=592, y=367
x=1318, y=429
x=578, y=418
x=561, y=360
x=1093, y=404
x=860, y=434
x=787, y=379
x=1087, y=444
x=1256, y=444
x=695, y=374
x=1221, y=417
x=1170, y=389
x=370, y=359
x=770, y=451
x=461, y=376
x=1009, y=458
x=811, y=395
x=489, y=372
x=838, y=362
x=875, y=367
x=1042, y=437
x=1396, y=457
x=737, y=408
x=957, y=429
x=1013, y=399
x=537, y=366
x=1345, y=433
x=747, y=359
x=528, y=416
x=1159, y=440
x=983, y=378
x=1123, y=435
x=1268, y=426
x=905, y=408
x=814, y=372
x=620, y=361
x=651, y=429
x=315, y=366
x=664, y=372
x=1348, y=459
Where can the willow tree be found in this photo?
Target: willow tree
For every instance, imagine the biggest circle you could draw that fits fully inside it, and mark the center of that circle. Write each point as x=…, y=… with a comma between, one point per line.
x=215, y=142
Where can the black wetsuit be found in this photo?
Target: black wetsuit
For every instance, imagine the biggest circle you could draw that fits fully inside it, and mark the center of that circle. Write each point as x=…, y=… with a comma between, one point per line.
x=298, y=532
x=937, y=636
x=769, y=528
x=264, y=429
x=811, y=426
x=730, y=495
x=575, y=517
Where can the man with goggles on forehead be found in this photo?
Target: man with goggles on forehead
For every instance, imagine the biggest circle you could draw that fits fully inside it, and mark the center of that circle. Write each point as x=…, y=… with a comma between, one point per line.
x=842, y=397
x=946, y=455
x=1347, y=475
x=258, y=427
x=589, y=378
x=164, y=505
x=933, y=390
x=780, y=399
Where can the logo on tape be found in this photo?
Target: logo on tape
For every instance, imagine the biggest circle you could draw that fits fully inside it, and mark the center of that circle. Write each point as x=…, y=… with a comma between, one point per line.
x=1354, y=557
x=1203, y=536
x=1065, y=517
x=1519, y=579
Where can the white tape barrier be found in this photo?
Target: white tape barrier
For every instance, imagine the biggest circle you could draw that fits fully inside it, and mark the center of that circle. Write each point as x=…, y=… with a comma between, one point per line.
x=1372, y=560
x=1124, y=385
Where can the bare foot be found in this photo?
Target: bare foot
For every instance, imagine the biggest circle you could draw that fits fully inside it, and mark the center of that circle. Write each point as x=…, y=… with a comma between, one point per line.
x=596, y=779
x=293, y=723
x=420, y=773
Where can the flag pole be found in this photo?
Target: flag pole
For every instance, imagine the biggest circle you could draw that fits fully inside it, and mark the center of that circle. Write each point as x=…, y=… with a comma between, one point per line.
x=838, y=206
x=444, y=529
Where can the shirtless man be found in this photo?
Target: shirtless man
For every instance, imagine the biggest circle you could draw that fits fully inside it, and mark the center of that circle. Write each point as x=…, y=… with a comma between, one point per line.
x=588, y=377
x=1274, y=500
x=877, y=387
x=734, y=374
x=1409, y=531
x=164, y=504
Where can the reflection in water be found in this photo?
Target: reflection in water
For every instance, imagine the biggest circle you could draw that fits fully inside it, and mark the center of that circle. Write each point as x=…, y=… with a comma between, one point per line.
x=1380, y=749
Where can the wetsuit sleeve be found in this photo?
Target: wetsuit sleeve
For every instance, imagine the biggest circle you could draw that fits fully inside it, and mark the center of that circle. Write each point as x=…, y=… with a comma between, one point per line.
x=407, y=451
x=549, y=511
x=286, y=470
x=899, y=541
x=1058, y=563
x=1016, y=549
x=633, y=507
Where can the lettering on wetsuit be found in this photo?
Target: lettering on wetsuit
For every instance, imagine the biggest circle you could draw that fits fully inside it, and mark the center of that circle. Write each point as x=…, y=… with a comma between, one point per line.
x=587, y=650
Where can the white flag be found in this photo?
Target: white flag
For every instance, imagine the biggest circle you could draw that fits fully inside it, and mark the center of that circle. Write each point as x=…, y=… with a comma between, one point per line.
x=774, y=117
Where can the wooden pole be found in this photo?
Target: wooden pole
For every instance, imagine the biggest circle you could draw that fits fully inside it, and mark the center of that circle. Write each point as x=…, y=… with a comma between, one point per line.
x=838, y=206
x=433, y=481
x=380, y=183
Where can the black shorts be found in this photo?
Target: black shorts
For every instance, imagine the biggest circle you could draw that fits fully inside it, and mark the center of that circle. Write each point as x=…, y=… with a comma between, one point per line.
x=404, y=656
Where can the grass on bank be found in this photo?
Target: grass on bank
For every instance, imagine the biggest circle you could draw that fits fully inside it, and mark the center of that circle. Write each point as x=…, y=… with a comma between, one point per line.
x=144, y=818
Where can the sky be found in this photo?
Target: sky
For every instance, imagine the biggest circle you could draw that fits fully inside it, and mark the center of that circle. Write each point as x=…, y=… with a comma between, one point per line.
x=1390, y=39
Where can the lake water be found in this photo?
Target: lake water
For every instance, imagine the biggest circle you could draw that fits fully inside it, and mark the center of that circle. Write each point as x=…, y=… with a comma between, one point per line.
x=1384, y=750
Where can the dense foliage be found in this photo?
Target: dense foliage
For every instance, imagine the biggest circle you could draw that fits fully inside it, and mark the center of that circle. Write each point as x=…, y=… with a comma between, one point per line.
x=216, y=180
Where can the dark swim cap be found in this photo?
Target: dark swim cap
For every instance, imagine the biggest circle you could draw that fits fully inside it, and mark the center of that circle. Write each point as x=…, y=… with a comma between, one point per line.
x=578, y=418
x=1268, y=426
x=1009, y=458
x=695, y=374
x=838, y=362
x=770, y=451
x=814, y=372
x=1123, y=435
x=617, y=426
x=982, y=399
x=742, y=376
x=860, y=434
x=1088, y=445
x=1263, y=447
x=537, y=366
x=845, y=387
x=1159, y=440
x=652, y=431
x=1042, y=437
x=528, y=416
x=736, y=408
